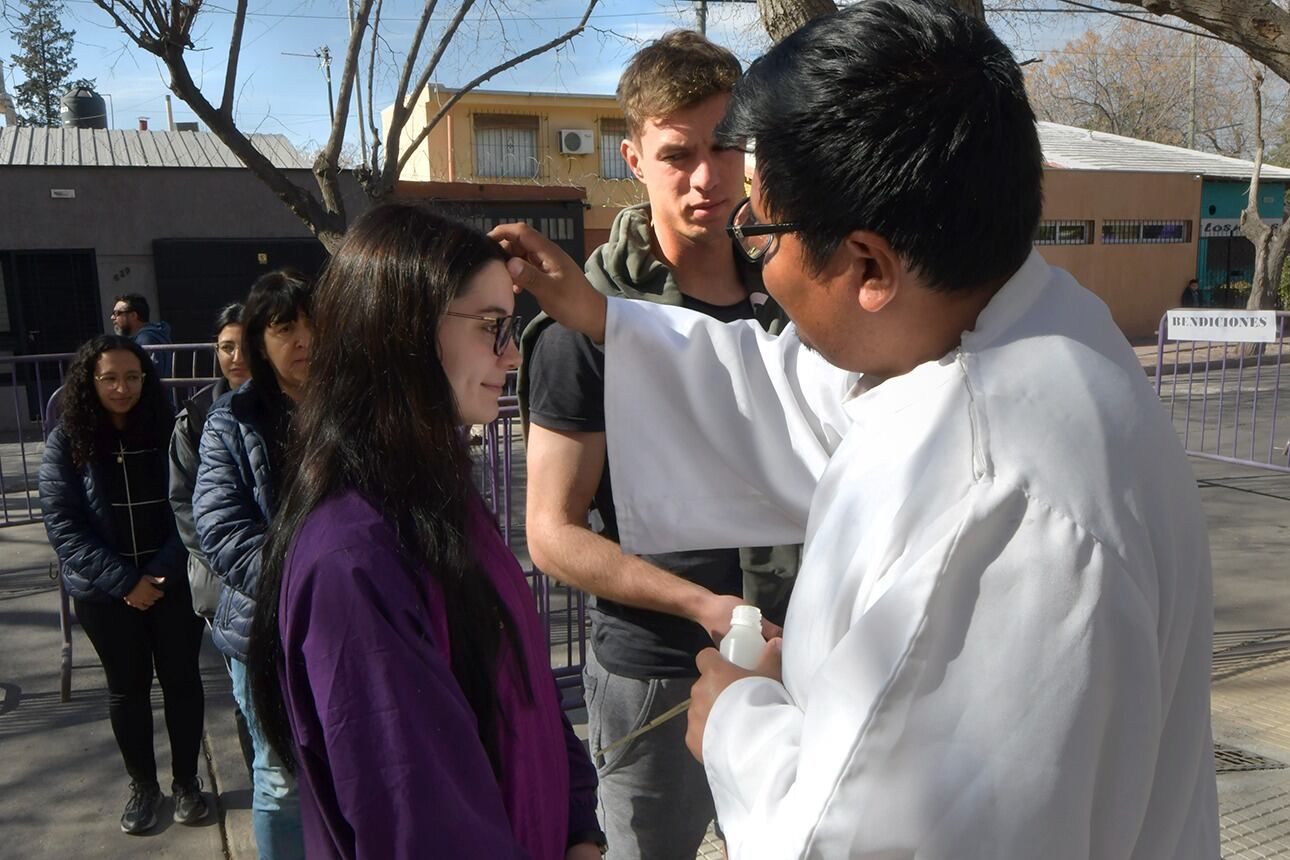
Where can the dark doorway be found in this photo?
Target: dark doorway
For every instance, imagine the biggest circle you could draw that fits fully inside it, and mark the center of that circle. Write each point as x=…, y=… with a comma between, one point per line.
x=52, y=300
x=50, y=305
x=197, y=277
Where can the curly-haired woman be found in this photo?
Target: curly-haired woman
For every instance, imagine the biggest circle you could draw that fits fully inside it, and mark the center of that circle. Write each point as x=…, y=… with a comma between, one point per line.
x=103, y=489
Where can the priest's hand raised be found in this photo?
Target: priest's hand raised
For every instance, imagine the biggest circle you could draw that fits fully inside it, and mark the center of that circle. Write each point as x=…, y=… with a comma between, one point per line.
x=715, y=674
x=540, y=266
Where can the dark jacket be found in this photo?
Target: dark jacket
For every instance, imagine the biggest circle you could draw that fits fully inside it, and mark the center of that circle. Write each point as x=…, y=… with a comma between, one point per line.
x=79, y=524
x=156, y=334
x=184, y=443
x=233, y=501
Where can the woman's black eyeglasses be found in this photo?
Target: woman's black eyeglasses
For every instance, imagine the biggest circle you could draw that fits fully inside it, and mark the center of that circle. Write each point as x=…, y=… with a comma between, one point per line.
x=754, y=240
x=508, y=329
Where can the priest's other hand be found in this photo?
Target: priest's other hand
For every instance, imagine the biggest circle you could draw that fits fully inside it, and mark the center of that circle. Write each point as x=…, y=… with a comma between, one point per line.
x=715, y=674
x=541, y=267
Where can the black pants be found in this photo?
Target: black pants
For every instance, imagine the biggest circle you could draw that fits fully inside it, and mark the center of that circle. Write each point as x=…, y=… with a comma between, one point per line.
x=130, y=643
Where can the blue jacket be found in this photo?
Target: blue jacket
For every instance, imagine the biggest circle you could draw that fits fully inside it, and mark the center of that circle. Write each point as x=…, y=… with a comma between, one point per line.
x=156, y=334
x=232, y=505
x=79, y=526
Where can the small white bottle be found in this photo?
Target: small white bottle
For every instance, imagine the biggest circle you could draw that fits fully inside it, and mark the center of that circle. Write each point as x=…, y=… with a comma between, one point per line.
x=743, y=644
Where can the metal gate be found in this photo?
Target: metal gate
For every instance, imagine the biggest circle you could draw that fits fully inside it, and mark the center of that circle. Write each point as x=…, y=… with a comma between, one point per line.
x=1230, y=401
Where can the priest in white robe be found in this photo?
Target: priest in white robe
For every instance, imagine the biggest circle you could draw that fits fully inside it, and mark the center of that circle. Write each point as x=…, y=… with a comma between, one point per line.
x=999, y=643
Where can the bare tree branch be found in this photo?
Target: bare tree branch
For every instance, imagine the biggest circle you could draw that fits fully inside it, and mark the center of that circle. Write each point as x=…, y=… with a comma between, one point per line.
x=234, y=55
x=327, y=165
x=1260, y=28
x=395, y=162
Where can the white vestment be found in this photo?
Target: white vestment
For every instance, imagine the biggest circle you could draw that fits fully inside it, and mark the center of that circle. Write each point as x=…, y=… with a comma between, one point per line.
x=999, y=642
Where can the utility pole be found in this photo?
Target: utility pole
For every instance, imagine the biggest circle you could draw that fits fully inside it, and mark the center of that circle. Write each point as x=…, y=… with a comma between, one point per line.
x=1191, y=126
x=323, y=56
x=701, y=12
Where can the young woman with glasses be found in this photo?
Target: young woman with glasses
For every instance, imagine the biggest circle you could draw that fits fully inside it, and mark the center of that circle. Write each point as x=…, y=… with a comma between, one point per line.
x=397, y=658
x=103, y=489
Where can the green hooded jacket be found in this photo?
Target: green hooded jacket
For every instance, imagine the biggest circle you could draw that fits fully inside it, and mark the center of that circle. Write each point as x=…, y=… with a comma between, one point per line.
x=625, y=267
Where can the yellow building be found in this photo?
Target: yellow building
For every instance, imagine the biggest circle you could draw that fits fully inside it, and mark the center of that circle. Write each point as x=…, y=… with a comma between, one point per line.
x=535, y=140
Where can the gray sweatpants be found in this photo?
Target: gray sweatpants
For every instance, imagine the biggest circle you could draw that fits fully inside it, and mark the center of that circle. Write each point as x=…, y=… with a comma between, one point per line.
x=654, y=798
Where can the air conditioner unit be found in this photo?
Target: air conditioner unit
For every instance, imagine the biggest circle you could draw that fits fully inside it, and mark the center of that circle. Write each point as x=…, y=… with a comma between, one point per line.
x=576, y=141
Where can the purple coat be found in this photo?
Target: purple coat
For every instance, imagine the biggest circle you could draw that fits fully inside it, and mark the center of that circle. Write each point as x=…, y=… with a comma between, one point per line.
x=390, y=760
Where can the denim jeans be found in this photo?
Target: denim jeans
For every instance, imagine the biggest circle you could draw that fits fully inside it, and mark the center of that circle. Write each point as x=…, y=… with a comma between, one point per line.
x=275, y=803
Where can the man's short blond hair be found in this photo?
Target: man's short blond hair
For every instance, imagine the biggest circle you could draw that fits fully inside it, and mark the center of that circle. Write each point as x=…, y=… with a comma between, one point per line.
x=679, y=70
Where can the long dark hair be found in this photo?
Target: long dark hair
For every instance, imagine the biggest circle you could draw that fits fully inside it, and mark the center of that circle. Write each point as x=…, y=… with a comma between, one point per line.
x=379, y=417
x=277, y=297
x=86, y=422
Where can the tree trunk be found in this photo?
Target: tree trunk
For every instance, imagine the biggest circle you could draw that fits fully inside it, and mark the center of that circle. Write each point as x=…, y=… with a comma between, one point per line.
x=781, y=17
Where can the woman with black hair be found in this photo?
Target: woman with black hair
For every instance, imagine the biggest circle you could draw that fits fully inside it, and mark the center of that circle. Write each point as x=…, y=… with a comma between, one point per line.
x=234, y=499
x=397, y=659
x=103, y=489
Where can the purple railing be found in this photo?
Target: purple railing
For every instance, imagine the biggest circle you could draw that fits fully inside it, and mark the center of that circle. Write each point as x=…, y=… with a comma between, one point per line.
x=28, y=385
x=563, y=609
x=1229, y=401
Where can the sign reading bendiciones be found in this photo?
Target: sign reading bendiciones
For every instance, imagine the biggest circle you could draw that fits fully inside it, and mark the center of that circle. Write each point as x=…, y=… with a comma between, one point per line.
x=1227, y=326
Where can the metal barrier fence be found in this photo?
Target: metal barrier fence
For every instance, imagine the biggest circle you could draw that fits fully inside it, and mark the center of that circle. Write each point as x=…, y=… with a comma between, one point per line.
x=28, y=385
x=563, y=609
x=1229, y=401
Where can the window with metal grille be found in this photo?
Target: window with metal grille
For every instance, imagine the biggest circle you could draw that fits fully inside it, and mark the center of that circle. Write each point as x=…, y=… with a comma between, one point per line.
x=506, y=146
x=612, y=165
x=1064, y=233
x=1146, y=232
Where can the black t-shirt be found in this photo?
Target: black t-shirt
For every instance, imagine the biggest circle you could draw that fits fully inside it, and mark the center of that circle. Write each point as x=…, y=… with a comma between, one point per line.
x=567, y=381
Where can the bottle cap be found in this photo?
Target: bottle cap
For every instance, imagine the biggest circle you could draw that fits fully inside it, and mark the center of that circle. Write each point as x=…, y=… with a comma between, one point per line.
x=749, y=615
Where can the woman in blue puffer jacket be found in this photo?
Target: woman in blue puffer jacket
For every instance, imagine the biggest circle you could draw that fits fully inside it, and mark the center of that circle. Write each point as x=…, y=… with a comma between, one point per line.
x=240, y=472
x=103, y=490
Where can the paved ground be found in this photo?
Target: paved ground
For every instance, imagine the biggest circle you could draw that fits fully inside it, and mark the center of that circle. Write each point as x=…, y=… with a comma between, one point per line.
x=62, y=785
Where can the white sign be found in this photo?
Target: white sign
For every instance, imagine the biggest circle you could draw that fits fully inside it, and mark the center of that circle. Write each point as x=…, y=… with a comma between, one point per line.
x=1227, y=326
x=1218, y=227
x=62, y=193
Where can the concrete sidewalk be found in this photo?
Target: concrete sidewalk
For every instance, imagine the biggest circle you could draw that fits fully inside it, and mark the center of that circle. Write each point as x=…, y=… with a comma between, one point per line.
x=62, y=784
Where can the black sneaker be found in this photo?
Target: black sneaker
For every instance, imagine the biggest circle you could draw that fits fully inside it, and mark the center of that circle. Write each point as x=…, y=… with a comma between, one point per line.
x=190, y=803
x=141, y=810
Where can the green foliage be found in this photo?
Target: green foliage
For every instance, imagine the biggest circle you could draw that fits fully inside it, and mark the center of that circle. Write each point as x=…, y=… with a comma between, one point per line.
x=45, y=59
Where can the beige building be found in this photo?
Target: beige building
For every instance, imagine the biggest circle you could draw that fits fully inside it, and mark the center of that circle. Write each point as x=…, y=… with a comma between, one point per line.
x=538, y=140
x=1132, y=220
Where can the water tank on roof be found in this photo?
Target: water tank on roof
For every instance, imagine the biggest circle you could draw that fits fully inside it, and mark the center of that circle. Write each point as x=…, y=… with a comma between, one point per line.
x=84, y=108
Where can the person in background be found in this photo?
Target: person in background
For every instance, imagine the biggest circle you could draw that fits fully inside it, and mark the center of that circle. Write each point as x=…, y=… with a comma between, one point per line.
x=397, y=658
x=242, y=463
x=1191, y=297
x=103, y=490
x=206, y=587
x=130, y=318
x=650, y=615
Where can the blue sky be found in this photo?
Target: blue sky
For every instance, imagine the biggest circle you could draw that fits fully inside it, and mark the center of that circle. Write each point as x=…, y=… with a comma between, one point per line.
x=287, y=94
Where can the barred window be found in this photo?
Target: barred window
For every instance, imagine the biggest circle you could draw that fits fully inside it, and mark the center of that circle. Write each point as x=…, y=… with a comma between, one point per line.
x=612, y=164
x=1146, y=232
x=1064, y=233
x=506, y=146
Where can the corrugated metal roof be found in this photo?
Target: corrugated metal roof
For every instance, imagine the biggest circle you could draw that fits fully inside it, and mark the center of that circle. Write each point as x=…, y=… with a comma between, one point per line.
x=1080, y=149
x=83, y=147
